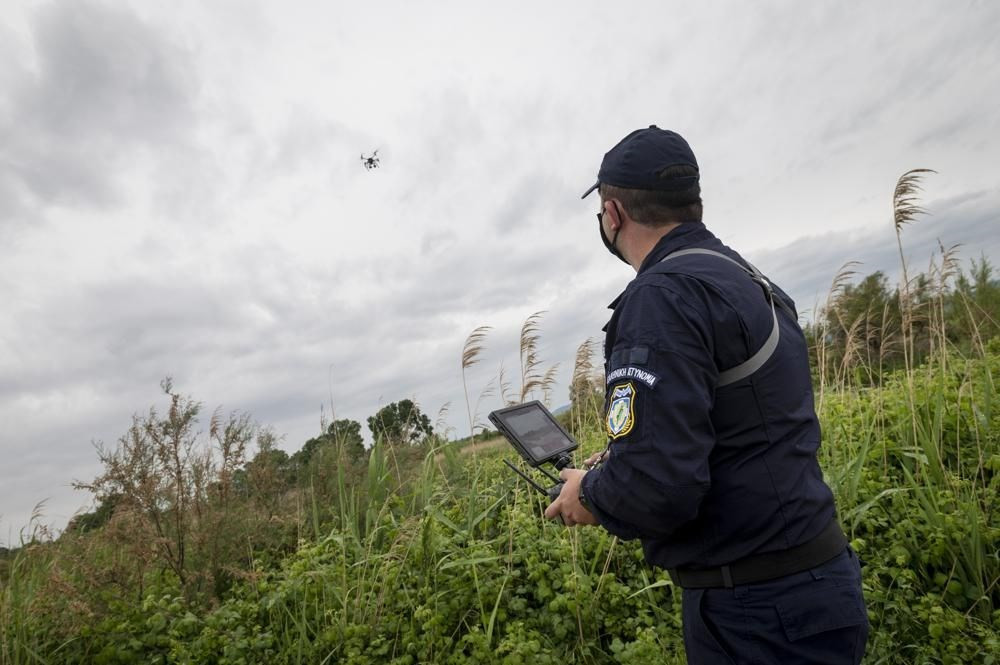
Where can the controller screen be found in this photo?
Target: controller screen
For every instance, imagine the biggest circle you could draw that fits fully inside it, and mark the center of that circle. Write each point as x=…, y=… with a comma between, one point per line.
x=537, y=433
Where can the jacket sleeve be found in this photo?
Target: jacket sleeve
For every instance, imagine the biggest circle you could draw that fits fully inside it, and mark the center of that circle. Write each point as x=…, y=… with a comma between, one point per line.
x=661, y=378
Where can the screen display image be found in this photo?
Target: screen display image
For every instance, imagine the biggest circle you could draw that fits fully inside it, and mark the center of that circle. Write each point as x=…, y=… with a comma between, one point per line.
x=537, y=432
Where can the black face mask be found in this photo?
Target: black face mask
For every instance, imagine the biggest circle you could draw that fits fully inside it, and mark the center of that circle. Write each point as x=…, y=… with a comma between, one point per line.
x=610, y=244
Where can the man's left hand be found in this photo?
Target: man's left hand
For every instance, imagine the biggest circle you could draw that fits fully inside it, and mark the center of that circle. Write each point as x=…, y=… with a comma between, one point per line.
x=568, y=503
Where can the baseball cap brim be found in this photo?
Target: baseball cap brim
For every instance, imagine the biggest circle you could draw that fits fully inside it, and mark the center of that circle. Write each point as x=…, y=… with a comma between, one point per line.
x=587, y=193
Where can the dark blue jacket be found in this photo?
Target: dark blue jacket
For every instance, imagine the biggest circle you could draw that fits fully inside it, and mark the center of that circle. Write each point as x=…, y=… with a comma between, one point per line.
x=705, y=475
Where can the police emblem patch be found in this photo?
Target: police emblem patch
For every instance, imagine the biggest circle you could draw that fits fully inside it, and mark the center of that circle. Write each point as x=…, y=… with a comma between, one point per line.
x=621, y=411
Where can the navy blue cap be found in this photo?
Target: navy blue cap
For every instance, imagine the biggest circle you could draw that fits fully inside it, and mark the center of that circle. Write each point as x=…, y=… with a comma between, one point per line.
x=639, y=158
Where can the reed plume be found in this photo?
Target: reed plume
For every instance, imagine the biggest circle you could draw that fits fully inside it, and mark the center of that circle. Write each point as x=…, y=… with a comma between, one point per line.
x=531, y=374
x=471, y=350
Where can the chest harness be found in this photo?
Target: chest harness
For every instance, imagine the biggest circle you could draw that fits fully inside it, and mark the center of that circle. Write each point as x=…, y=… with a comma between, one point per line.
x=769, y=565
x=757, y=360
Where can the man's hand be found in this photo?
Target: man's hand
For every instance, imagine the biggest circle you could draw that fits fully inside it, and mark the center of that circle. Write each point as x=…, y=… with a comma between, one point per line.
x=596, y=458
x=568, y=503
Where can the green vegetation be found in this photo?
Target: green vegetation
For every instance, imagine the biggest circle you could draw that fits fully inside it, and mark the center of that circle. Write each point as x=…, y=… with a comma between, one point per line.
x=400, y=423
x=414, y=551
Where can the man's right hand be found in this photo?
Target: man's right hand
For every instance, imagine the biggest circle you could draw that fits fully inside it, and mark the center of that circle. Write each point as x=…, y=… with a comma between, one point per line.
x=596, y=458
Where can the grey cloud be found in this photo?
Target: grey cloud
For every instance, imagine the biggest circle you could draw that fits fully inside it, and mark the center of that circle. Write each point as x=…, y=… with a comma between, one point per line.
x=536, y=198
x=947, y=130
x=450, y=148
x=103, y=72
x=408, y=338
x=309, y=141
x=806, y=267
x=503, y=273
x=104, y=85
x=434, y=243
x=259, y=327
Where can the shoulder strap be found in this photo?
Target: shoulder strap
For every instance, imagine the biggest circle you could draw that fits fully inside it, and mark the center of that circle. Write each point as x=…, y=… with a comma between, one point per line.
x=757, y=360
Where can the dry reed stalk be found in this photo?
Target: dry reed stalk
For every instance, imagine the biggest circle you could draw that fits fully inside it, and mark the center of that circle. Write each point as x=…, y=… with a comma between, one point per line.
x=837, y=286
x=488, y=391
x=905, y=209
x=441, y=422
x=978, y=344
x=941, y=275
x=584, y=382
x=531, y=375
x=471, y=351
x=583, y=363
x=548, y=383
x=506, y=394
x=852, y=346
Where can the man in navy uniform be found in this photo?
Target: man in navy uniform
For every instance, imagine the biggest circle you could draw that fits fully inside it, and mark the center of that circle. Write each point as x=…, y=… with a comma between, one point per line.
x=711, y=460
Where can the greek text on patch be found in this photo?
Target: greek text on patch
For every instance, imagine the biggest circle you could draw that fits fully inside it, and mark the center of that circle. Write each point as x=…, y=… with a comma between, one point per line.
x=648, y=378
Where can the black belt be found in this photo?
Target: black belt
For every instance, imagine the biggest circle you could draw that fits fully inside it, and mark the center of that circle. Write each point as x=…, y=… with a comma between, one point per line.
x=767, y=566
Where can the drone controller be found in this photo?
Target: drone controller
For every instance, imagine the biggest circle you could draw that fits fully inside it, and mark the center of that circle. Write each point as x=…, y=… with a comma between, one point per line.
x=539, y=438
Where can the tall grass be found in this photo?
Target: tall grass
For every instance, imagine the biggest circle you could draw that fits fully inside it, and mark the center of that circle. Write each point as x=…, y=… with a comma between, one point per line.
x=927, y=428
x=26, y=586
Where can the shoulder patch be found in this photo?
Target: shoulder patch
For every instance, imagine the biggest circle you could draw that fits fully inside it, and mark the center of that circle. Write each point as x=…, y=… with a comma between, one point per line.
x=621, y=410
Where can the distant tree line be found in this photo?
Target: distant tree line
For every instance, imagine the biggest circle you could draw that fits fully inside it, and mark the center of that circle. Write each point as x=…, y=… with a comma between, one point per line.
x=946, y=309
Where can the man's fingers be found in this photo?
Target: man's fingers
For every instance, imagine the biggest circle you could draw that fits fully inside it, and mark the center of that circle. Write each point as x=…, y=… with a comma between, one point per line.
x=552, y=510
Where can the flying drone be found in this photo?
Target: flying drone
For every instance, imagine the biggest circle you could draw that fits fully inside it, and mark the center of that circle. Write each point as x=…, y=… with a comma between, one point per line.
x=371, y=161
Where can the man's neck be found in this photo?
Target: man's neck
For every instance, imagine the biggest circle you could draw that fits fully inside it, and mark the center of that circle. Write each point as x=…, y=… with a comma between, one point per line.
x=647, y=239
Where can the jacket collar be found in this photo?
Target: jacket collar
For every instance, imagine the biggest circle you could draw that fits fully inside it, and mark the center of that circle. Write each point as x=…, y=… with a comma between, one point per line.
x=688, y=234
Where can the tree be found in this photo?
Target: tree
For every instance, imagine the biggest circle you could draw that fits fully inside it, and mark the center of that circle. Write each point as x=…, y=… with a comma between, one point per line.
x=344, y=433
x=975, y=304
x=171, y=492
x=347, y=434
x=96, y=518
x=267, y=477
x=400, y=423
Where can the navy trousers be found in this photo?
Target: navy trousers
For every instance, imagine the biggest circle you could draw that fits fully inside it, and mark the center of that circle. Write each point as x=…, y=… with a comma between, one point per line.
x=817, y=617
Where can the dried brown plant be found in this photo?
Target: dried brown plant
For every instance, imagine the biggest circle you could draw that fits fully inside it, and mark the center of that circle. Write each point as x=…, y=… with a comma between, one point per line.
x=586, y=386
x=506, y=390
x=905, y=209
x=905, y=206
x=174, y=491
x=471, y=350
x=548, y=383
x=532, y=377
x=833, y=297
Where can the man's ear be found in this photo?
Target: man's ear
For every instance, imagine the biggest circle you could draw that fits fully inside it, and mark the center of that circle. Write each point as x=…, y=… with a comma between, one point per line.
x=613, y=208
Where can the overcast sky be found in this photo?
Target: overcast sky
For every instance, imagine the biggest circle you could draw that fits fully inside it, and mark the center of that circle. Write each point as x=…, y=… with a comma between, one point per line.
x=181, y=192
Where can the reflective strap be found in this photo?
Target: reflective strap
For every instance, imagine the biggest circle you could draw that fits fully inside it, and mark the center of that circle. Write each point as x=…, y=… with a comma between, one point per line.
x=757, y=360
